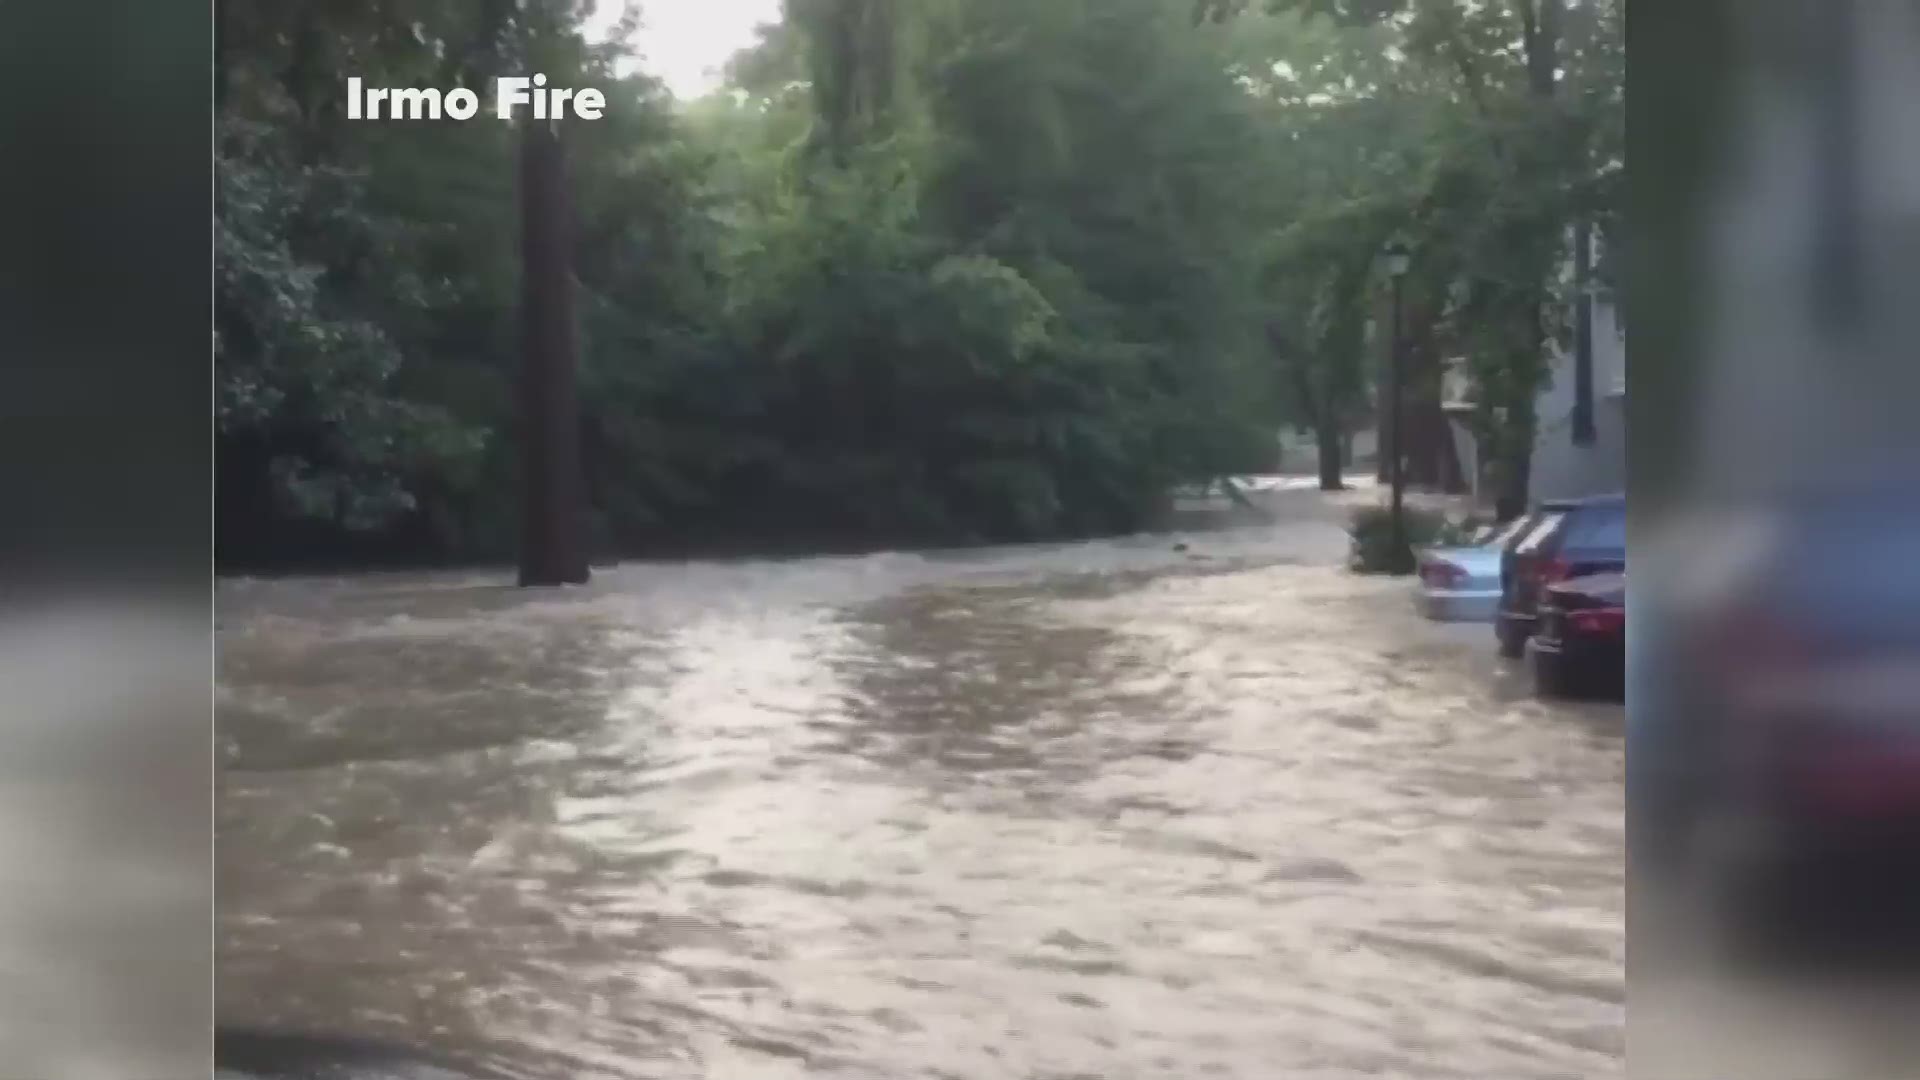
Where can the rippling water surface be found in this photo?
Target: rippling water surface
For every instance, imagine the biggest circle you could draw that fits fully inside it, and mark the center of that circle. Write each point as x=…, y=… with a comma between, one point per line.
x=1100, y=810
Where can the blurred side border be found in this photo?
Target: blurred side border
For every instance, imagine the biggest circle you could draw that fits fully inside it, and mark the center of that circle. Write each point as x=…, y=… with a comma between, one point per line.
x=1773, y=758
x=106, y=869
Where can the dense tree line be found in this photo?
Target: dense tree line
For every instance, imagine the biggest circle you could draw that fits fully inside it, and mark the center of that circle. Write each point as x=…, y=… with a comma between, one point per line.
x=923, y=271
x=1486, y=135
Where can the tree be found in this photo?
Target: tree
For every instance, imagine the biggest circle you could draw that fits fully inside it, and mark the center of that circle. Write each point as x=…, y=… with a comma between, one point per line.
x=1103, y=152
x=407, y=236
x=1524, y=144
x=553, y=548
x=1338, y=178
x=857, y=68
x=925, y=272
x=311, y=417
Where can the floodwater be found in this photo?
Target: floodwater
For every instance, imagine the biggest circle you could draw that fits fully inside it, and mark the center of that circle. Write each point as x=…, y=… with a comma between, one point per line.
x=1099, y=810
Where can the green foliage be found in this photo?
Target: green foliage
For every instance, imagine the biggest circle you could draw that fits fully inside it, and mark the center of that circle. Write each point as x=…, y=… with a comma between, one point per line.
x=1343, y=153
x=1479, y=133
x=927, y=270
x=1370, y=535
x=306, y=376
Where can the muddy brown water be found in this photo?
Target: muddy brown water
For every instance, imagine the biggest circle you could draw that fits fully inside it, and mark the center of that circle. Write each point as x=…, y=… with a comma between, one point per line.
x=1097, y=810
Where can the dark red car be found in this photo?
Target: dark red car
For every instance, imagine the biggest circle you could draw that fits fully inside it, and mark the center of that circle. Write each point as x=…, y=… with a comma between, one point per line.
x=1579, y=643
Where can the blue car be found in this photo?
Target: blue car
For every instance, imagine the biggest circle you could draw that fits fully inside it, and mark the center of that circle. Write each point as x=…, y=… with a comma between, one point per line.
x=1462, y=584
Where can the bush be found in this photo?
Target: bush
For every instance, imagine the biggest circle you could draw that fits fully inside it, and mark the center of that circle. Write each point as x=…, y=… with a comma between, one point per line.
x=1467, y=532
x=1371, y=530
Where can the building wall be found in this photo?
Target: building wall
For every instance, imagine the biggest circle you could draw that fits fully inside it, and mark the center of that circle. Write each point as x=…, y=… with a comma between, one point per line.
x=1562, y=470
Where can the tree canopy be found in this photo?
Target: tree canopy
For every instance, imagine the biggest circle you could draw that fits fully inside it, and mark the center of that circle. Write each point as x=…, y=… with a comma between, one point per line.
x=919, y=271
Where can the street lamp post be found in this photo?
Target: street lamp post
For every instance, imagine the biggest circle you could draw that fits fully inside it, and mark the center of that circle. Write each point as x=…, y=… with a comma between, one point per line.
x=1396, y=262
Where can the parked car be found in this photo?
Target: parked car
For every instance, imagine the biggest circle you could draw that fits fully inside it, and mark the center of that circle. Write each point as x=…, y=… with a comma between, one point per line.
x=1781, y=712
x=1462, y=584
x=1579, y=643
x=1569, y=539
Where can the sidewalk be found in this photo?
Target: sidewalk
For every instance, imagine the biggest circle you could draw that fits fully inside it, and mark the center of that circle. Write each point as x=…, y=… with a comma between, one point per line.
x=1277, y=499
x=1362, y=490
x=1366, y=491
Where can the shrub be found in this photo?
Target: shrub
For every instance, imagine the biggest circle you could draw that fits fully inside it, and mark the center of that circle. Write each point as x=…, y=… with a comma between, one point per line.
x=1466, y=532
x=1371, y=530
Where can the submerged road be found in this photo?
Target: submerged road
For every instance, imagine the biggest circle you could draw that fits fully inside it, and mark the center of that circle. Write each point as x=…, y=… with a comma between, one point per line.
x=1092, y=810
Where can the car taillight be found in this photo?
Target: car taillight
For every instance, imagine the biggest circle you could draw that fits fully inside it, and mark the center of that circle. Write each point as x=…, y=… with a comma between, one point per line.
x=1441, y=575
x=1599, y=621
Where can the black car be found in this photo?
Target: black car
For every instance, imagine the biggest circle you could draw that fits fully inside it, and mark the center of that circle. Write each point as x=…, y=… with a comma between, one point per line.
x=1579, y=641
x=1571, y=539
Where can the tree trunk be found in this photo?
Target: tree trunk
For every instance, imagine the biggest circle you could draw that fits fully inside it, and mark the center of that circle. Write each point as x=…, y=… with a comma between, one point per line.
x=1453, y=471
x=1448, y=473
x=1515, y=494
x=1513, y=499
x=1382, y=393
x=1542, y=26
x=552, y=541
x=1425, y=423
x=1319, y=405
x=1328, y=434
x=1583, y=422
